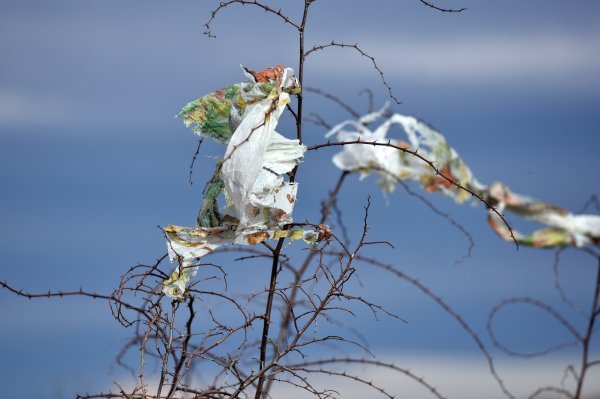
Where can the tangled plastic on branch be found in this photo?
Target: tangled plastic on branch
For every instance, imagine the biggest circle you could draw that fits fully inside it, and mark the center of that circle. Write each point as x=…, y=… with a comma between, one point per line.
x=391, y=165
x=250, y=176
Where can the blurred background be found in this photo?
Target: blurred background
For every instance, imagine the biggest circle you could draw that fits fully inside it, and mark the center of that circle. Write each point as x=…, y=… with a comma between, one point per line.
x=92, y=160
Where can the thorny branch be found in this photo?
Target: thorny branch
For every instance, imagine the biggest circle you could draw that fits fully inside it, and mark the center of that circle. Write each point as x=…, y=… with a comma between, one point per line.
x=191, y=168
x=335, y=99
x=355, y=46
x=377, y=363
x=542, y=306
x=450, y=311
x=80, y=292
x=428, y=4
x=438, y=212
x=255, y=3
x=221, y=349
x=437, y=171
x=582, y=339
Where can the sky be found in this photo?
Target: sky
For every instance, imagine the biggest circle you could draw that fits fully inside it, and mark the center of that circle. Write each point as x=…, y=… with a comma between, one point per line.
x=92, y=160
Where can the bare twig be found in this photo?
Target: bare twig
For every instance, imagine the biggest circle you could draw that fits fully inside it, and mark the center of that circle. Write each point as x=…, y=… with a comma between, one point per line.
x=194, y=160
x=265, y=7
x=434, y=209
x=347, y=360
x=267, y=316
x=318, y=120
x=540, y=305
x=587, y=338
x=371, y=103
x=335, y=99
x=81, y=292
x=431, y=5
x=362, y=53
x=450, y=311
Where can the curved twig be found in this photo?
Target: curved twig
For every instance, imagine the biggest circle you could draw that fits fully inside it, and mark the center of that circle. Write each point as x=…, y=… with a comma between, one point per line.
x=335, y=99
x=81, y=292
x=434, y=209
x=191, y=168
x=362, y=53
x=563, y=295
x=378, y=363
x=265, y=7
x=369, y=93
x=450, y=10
x=560, y=391
x=454, y=314
x=541, y=305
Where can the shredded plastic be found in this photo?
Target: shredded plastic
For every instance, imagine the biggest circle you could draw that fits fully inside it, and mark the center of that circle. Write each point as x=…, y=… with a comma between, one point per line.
x=391, y=165
x=250, y=176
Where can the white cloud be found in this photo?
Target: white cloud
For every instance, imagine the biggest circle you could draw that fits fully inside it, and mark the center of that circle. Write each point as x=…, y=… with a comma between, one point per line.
x=497, y=57
x=22, y=108
x=453, y=376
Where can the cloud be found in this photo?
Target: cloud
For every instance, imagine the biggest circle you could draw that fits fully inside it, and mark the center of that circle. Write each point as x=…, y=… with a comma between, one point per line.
x=453, y=376
x=32, y=109
x=470, y=58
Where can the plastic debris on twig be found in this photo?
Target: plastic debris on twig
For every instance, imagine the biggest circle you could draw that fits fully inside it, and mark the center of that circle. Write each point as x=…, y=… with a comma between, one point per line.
x=250, y=176
x=391, y=165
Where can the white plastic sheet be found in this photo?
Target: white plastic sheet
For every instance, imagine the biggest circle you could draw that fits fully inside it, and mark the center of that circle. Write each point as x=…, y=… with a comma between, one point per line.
x=251, y=175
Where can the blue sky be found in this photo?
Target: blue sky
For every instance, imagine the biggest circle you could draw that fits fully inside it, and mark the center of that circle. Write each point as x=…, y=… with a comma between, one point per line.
x=92, y=159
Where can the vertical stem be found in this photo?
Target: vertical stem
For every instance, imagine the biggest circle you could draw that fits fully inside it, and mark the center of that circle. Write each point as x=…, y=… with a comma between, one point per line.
x=168, y=350
x=184, y=350
x=307, y=4
x=300, y=80
x=301, y=67
x=285, y=321
x=267, y=317
x=588, y=336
